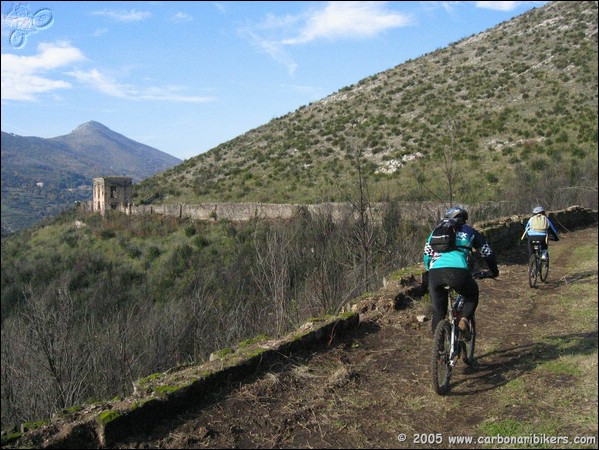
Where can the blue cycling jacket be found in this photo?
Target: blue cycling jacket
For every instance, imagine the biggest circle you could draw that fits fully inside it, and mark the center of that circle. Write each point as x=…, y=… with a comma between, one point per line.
x=467, y=238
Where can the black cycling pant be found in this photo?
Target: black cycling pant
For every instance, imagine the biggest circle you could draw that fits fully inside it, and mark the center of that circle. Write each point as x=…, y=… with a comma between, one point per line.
x=461, y=281
x=541, y=240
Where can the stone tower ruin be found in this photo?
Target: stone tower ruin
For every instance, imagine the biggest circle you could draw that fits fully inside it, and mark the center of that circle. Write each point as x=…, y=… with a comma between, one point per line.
x=111, y=193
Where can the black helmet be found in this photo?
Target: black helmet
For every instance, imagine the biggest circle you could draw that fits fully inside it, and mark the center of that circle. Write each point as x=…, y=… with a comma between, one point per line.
x=538, y=210
x=460, y=215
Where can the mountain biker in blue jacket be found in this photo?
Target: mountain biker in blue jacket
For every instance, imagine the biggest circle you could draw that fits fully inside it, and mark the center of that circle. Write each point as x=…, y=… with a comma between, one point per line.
x=539, y=235
x=451, y=269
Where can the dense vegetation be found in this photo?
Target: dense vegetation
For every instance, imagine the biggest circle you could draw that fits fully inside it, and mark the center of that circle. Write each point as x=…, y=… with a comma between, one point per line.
x=90, y=304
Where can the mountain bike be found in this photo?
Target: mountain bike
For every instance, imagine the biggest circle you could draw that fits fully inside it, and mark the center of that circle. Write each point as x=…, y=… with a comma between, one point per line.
x=449, y=344
x=538, y=265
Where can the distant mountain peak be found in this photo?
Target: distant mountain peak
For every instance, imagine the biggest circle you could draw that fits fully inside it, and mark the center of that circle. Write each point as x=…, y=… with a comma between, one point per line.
x=66, y=166
x=91, y=125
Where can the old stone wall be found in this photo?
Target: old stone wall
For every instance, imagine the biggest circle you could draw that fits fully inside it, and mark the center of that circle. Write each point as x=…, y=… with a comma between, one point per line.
x=422, y=212
x=502, y=233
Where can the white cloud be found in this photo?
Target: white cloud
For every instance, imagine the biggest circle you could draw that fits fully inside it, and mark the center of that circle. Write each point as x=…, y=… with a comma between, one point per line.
x=24, y=77
x=181, y=17
x=275, y=50
x=124, y=16
x=100, y=32
x=501, y=6
x=336, y=20
x=348, y=20
x=220, y=6
x=100, y=82
x=448, y=6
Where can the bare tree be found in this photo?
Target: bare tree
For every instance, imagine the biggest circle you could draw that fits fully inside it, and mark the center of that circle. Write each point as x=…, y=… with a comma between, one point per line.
x=449, y=167
x=450, y=152
x=321, y=243
x=363, y=233
x=48, y=364
x=273, y=275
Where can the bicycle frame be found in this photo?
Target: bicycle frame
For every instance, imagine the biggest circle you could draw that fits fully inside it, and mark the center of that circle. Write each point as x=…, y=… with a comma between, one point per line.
x=449, y=345
x=454, y=314
x=537, y=266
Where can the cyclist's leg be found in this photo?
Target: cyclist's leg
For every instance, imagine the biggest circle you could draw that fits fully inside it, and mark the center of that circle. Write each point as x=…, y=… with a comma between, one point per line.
x=438, y=294
x=544, y=245
x=531, y=249
x=469, y=289
x=544, y=264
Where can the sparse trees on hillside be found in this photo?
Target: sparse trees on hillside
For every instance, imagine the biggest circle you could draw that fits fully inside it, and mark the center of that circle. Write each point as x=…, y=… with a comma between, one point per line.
x=85, y=332
x=46, y=358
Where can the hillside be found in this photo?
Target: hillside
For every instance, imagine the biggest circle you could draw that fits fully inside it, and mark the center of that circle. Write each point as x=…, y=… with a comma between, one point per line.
x=535, y=377
x=41, y=177
x=508, y=113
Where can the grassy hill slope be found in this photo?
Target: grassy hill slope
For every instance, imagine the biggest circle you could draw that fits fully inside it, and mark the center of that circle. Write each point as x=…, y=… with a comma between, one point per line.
x=508, y=113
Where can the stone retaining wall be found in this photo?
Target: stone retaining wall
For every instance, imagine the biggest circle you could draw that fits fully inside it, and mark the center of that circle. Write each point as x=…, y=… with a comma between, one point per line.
x=506, y=232
x=102, y=424
x=501, y=232
x=425, y=212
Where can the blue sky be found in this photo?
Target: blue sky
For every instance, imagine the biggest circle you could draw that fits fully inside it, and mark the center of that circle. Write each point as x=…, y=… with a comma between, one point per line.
x=184, y=77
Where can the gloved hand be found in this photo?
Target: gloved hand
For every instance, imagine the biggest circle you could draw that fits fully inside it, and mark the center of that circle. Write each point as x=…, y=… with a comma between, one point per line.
x=485, y=274
x=495, y=273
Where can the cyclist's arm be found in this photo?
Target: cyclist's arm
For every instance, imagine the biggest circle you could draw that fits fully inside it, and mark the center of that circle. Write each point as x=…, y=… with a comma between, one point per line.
x=428, y=254
x=526, y=228
x=485, y=250
x=553, y=230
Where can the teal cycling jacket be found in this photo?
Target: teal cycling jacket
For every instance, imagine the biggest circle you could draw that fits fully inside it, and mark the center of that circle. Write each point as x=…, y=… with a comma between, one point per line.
x=467, y=238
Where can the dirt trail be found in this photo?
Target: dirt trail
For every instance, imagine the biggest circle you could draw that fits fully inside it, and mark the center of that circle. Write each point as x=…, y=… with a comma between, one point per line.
x=369, y=389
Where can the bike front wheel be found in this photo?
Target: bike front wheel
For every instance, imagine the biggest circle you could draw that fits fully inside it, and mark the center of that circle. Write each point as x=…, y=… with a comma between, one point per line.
x=441, y=363
x=533, y=271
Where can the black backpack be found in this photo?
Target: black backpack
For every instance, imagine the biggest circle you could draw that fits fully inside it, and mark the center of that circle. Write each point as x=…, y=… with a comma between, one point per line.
x=443, y=236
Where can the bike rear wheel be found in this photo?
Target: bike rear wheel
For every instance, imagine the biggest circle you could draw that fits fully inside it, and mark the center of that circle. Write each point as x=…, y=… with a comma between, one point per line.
x=469, y=345
x=440, y=363
x=544, y=270
x=533, y=271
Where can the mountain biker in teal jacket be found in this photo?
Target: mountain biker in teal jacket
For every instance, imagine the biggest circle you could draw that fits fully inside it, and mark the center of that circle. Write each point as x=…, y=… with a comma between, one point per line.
x=539, y=235
x=451, y=269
